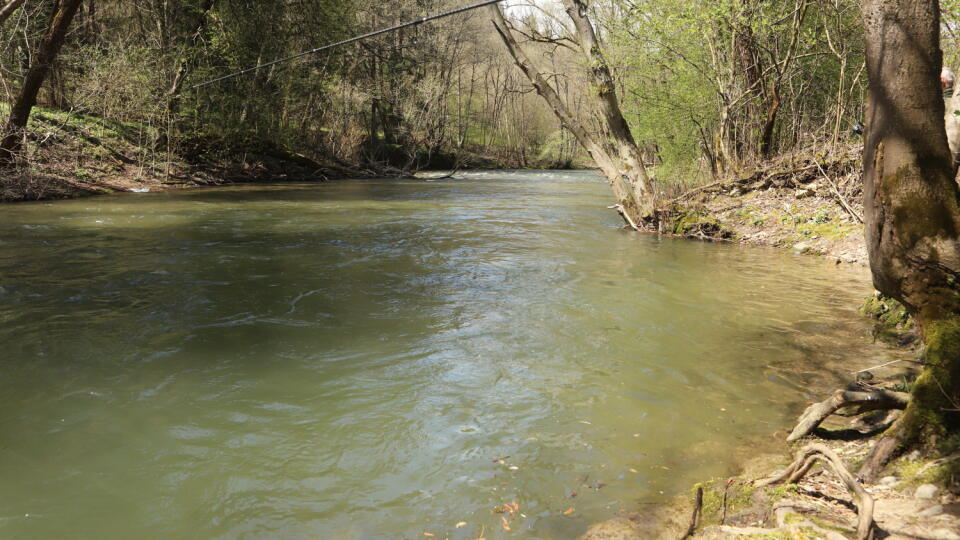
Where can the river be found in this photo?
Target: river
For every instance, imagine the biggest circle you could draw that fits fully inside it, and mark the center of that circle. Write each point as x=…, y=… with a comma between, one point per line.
x=385, y=359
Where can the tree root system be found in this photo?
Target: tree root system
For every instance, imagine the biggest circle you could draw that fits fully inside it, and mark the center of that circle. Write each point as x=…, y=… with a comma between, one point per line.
x=806, y=459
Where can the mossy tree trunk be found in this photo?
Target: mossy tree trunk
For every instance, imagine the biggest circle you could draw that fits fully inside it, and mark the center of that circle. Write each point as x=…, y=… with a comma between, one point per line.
x=13, y=134
x=912, y=203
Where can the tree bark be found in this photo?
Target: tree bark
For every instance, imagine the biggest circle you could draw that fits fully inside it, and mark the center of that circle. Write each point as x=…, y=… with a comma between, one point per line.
x=20, y=111
x=624, y=170
x=7, y=10
x=630, y=156
x=912, y=202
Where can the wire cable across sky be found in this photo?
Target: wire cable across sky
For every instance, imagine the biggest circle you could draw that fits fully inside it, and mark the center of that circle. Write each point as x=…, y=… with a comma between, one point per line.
x=348, y=41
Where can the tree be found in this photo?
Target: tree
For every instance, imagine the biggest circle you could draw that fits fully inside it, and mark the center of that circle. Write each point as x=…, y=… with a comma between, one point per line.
x=7, y=10
x=184, y=65
x=613, y=148
x=912, y=208
x=53, y=40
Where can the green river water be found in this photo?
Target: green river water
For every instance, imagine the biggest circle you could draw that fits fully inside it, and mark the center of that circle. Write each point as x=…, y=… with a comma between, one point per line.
x=384, y=359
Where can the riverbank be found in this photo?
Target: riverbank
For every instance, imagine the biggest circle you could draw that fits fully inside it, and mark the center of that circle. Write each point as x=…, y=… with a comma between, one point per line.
x=917, y=495
x=806, y=202
x=810, y=204
x=74, y=155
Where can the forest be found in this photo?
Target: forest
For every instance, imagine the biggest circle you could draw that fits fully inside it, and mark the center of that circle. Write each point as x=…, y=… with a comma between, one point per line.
x=443, y=305
x=707, y=91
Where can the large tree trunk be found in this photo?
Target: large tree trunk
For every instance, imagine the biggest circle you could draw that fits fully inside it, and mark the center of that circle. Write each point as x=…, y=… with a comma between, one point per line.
x=625, y=170
x=912, y=203
x=49, y=48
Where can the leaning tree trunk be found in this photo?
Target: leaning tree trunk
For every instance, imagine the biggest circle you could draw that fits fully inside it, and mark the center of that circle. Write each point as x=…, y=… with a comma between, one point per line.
x=912, y=206
x=7, y=10
x=625, y=170
x=630, y=156
x=20, y=111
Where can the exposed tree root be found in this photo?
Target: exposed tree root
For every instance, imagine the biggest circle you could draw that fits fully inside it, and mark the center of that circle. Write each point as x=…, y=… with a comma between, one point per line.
x=865, y=401
x=805, y=461
x=785, y=509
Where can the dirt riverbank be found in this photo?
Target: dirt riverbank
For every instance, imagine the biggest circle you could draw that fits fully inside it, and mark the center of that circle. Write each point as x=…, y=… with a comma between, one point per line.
x=806, y=202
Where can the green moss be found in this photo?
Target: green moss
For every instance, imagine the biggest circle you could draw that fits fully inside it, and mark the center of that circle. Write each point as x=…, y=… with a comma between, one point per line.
x=830, y=526
x=924, y=421
x=792, y=518
x=822, y=216
x=887, y=311
x=739, y=497
x=831, y=230
x=782, y=491
x=694, y=222
x=916, y=472
x=892, y=320
x=800, y=533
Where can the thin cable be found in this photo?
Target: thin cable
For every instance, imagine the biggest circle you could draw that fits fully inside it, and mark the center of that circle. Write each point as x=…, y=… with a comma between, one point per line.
x=351, y=40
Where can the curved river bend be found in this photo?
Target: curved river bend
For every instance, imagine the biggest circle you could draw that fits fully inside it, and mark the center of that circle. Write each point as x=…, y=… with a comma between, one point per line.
x=384, y=359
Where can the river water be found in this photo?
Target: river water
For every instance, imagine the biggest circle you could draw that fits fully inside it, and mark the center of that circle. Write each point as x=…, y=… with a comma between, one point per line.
x=385, y=359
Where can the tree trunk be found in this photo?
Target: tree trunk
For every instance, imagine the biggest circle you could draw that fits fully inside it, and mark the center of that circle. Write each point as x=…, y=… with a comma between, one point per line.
x=7, y=10
x=630, y=156
x=766, y=134
x=184, y=64
x=20, y=111
x=625, y=172
x=911, y=201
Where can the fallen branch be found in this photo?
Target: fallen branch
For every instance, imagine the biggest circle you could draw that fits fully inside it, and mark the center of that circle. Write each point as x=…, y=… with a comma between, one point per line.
x=444, y=177
x=843, y=202
x=855, y=434
x=867, y=401
x=806, y=458
x=877, y=367
x=726, y=487
x=697, y=505
x=694, y=191
x=625, y=216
